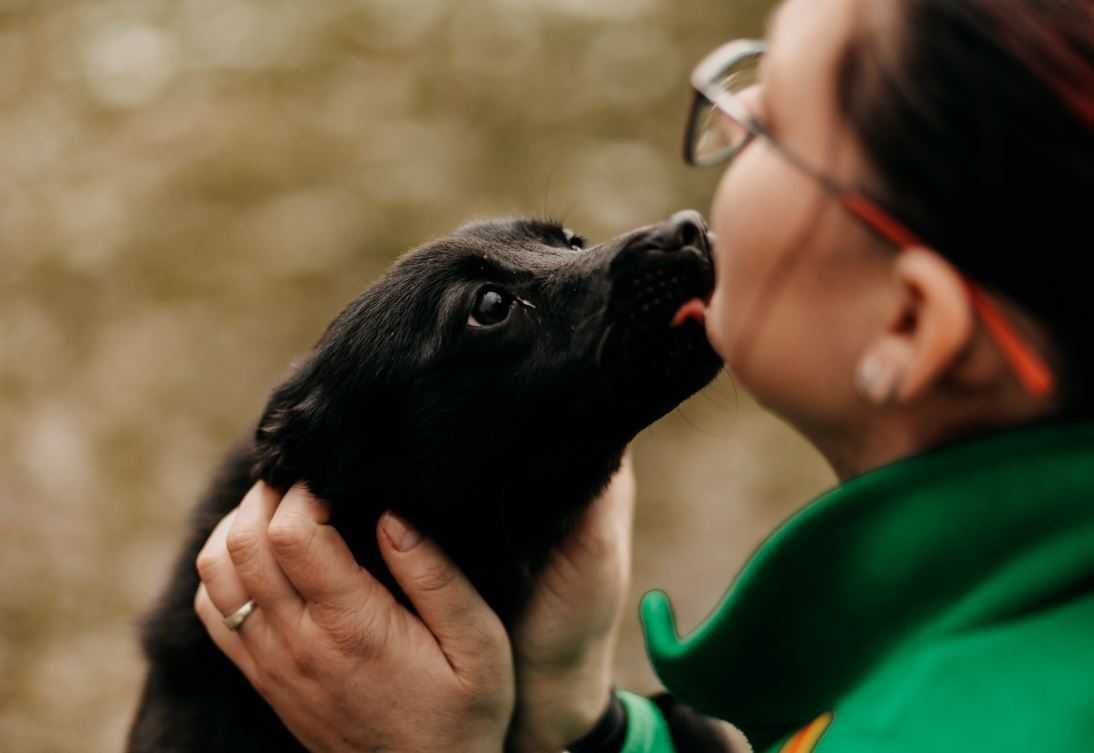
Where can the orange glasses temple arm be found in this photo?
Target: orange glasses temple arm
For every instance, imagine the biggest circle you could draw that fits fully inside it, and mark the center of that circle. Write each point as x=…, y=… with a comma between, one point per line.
x=1034, y=374
x=1030, y=368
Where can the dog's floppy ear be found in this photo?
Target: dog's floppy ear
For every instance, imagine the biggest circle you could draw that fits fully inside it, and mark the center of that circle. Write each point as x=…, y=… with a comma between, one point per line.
x=289, y=427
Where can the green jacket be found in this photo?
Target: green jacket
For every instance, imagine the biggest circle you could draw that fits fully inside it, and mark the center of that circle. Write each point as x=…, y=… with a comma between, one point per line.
x=943, y=603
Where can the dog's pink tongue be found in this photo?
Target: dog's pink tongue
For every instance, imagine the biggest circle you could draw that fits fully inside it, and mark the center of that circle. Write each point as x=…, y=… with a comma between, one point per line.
x=694, y=309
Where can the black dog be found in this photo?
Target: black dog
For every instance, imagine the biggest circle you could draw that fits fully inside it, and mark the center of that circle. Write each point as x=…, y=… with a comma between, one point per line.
x=484, y=389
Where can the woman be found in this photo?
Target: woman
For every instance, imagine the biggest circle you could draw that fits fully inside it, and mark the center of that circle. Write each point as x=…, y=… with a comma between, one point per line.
x=894, y=251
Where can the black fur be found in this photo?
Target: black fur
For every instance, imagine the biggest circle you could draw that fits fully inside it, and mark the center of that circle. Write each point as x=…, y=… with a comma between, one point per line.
x=490, y=440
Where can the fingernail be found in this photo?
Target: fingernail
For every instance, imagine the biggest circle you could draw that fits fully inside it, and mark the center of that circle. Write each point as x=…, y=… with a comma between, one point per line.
x=402, y=536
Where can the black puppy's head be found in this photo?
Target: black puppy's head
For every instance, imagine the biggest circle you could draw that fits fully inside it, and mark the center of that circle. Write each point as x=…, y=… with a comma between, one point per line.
x=486, y=387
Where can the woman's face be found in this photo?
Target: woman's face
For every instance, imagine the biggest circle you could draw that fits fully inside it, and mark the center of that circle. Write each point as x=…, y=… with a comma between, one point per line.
x=800, y=285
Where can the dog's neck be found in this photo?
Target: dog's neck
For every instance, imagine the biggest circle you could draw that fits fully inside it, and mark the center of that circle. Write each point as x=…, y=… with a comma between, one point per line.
x=501, y=537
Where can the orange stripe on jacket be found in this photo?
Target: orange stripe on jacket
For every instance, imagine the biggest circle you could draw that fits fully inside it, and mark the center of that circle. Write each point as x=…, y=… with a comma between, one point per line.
x=806, y=739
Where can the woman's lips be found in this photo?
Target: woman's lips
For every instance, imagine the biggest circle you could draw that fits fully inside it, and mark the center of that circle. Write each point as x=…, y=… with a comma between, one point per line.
x=694, y=310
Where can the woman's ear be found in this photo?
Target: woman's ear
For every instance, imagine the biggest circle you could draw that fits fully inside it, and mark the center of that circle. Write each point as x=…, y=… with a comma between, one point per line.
x=926, y=335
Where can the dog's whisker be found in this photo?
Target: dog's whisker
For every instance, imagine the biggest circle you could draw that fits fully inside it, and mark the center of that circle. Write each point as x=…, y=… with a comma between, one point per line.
x=590, y=318
x=603, y=343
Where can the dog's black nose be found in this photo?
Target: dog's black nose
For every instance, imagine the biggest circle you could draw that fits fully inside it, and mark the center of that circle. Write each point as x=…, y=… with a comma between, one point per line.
x=687, y=228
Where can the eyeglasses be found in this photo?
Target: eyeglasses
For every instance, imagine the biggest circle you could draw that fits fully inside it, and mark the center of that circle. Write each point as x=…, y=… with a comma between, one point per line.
x=720, y=125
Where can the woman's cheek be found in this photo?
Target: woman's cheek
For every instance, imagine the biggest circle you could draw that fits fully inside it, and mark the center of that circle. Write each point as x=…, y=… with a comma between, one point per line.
x=718, y=313
x=725, y=309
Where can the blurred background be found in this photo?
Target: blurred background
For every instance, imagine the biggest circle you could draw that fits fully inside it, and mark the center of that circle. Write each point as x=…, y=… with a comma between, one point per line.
x=191, y=189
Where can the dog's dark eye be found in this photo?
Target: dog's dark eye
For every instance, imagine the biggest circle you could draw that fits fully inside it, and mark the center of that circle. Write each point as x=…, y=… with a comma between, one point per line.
x=492, y=307
x=573, y=240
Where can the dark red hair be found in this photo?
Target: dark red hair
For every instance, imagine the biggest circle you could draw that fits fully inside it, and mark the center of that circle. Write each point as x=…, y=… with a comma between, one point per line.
x=978, y=119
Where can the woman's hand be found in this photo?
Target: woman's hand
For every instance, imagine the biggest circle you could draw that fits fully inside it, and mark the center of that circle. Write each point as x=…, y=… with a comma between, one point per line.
x=565, y=643
x=343, y=664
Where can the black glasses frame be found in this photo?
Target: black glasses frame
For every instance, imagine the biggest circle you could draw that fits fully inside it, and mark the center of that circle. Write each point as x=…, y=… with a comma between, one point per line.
x=704, y=80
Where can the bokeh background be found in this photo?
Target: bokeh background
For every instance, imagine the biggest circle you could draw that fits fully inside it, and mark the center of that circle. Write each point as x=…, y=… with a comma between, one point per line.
x=191, y=189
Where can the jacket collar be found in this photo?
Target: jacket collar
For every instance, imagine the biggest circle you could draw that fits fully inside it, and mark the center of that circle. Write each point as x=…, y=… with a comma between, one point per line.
x=956, y=538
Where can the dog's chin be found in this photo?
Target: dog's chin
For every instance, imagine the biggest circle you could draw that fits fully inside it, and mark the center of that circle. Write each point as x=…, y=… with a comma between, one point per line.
x=652, y=362
x=664, y=368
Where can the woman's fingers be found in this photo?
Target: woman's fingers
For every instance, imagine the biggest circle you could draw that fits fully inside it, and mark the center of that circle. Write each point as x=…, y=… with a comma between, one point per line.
x=250, y=549
x=356, y=670
x=283, y=555
x=467, y=630
x=316, y=560
x=217, y=573
x=226, y=640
